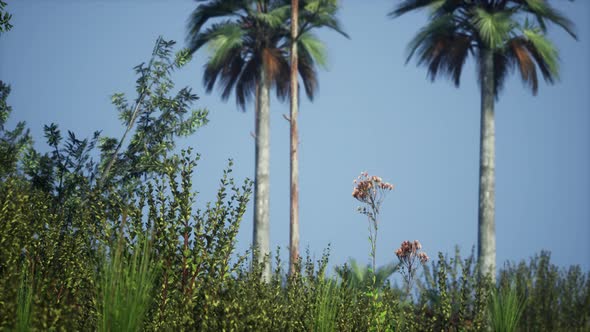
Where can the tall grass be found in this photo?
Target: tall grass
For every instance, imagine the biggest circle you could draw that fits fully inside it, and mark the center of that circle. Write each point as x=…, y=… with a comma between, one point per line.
x=506, y=309
x=126, y=287
x=24, y=301
x=326, y=306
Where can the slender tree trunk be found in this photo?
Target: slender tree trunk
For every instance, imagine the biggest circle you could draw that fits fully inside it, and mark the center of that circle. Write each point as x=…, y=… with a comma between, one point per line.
x=486, y=247
x=294, y=214
x=262, y=182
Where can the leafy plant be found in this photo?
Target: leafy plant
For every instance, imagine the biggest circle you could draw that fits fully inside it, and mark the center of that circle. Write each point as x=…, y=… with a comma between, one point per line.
x=356, y=276
x=556, y=299
x=506, y=308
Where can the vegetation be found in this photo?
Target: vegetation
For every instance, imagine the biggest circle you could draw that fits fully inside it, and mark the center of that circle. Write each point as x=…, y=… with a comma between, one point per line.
x=506, y=307
x=103, y=234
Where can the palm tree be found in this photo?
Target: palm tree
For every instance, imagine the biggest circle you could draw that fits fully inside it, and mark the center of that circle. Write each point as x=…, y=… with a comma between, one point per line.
x=501, y=35
x=315, y=13
x=249, y=44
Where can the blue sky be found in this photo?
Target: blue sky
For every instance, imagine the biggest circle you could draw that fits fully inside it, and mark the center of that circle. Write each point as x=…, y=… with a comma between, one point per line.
x=65, y=58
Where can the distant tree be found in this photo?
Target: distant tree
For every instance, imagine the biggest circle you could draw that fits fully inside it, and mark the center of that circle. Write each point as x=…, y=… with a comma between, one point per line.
x=501, y=35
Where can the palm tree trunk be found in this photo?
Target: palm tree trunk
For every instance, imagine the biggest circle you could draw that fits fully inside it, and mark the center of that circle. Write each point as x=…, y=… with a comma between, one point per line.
x=486, y=248
x=262, y=181
x=294, y=213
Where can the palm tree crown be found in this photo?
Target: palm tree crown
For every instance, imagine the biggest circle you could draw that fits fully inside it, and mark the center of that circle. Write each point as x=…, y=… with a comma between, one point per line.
x=513, y=29
x=247, y=34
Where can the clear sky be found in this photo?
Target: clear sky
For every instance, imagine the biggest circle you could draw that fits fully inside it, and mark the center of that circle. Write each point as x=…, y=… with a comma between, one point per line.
x=64, y=58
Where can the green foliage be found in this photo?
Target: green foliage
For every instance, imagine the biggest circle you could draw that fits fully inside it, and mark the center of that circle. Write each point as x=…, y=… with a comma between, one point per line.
x=13, y=143
x=360, y=277
x=506, y=307
x=556, y=299
x=156, y=119
x=453, y=296
x=199, y=286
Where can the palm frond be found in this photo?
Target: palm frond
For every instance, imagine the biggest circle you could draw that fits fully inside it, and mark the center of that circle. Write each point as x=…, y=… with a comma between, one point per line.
x=544, y=11
x=493, y=27
x=222, y=40
x=442, y=48
x=442, y=7
x=526, y=65
x=212, y=10
x=439, y=26
x=230, y=74
x=275, y=17
x=409, y=5
x=320, y=13
x=544, y=52
x=246, y=84
x=307, y=72
x=503, y=64
x=315, y=48
x=277, y=70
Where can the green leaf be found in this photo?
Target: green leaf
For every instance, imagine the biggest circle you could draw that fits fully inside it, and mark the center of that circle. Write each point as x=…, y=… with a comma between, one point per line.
x=223, y=39
x=493, y=28
x=545, y=49
x=315, y=48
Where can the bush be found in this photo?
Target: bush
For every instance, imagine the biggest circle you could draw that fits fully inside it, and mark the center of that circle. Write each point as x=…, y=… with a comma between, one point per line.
x=557, y=299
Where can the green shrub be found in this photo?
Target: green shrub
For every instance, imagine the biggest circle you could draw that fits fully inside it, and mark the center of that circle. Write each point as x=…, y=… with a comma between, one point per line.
x=557, y=299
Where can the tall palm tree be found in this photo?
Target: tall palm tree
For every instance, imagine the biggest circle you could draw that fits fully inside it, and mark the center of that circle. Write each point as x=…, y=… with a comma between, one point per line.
x=314, y=14
x=249, y=54
x=501, y=35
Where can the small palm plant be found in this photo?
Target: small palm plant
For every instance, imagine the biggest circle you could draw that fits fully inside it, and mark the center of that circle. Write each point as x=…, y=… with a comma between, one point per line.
x=356, y=276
